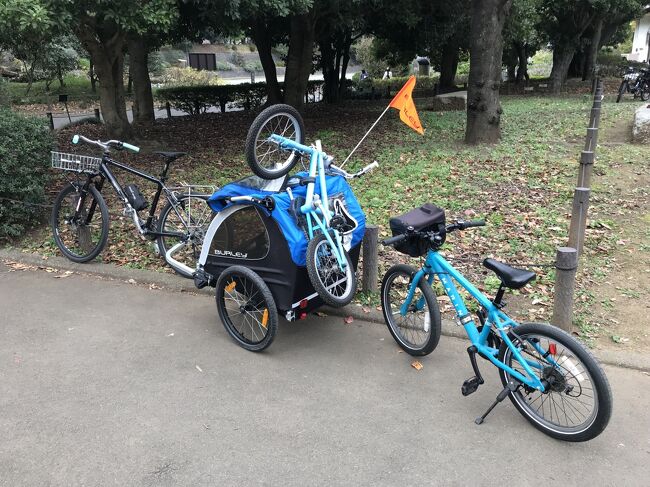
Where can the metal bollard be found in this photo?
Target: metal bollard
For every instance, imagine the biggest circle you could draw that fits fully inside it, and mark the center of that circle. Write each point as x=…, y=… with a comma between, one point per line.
x=50, y=120
x=579, y=219
x=169, y=110
x=566, y=265
x=97, y=115
x=370, y=268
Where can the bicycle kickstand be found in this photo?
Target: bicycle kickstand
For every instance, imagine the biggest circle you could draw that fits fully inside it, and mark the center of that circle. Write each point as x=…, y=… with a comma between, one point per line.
x=511, y=387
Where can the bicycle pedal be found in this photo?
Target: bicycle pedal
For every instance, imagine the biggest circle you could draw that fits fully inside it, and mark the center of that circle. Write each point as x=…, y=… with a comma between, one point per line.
x=470, y=386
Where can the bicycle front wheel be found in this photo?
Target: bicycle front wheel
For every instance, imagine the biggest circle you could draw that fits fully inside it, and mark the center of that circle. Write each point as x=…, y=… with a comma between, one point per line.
x=577, y=402
x=264, y=157
x=246, y=308
x=417, y=332
x=334, y=285
x=80, y=222
x=187, y=221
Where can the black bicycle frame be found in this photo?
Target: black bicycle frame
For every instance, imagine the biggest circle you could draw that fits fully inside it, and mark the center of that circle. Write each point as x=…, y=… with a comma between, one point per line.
x=105, y=173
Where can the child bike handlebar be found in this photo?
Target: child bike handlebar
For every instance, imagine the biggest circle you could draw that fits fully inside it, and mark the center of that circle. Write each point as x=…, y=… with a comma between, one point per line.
x=105, y=146
x=433, y=236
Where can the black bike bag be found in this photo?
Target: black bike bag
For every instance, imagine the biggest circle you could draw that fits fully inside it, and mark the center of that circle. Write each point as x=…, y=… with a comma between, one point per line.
x=426, y=218
x=135, y=197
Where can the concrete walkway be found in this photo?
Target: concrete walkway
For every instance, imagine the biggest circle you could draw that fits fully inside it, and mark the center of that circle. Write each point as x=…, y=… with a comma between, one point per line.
x=105, y=382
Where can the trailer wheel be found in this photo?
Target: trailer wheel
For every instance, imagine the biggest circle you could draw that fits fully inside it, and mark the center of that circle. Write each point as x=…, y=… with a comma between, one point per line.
x=246, y=308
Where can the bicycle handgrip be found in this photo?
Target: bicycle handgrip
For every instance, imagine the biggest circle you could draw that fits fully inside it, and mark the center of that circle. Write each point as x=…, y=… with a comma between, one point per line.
x=394, y=240
x=474, y=223
x=370, y=166
x=75, y=139
x=130, y=147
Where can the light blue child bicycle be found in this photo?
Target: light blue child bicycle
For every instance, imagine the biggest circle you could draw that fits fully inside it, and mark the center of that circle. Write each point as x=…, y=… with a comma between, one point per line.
x=550, y=377
x=274, y=145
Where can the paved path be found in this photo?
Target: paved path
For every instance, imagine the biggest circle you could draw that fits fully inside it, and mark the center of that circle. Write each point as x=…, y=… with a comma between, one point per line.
x=109, y=383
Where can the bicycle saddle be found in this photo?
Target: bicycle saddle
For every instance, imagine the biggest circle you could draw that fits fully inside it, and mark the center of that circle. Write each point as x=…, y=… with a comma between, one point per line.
x=170, y=156
x=510, y=277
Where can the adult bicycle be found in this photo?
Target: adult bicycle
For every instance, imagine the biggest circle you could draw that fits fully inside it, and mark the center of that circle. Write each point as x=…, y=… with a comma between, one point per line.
x=551, y=378
x=80, y=218
x=274, y=145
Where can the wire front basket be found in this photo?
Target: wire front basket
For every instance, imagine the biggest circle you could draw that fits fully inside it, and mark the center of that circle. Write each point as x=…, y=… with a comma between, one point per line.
x=75, y=162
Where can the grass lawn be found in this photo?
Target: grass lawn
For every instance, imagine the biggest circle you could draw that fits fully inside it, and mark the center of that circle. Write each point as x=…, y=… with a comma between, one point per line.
x=77, y=87
x=522, y=186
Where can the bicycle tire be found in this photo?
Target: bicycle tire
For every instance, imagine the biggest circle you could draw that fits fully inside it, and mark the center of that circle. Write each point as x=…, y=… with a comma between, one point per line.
x=278, y=119
x=325, y=274
x=253, y=309
x=621, y=90
x=405, y=334
x=82, y=233
x=194, y=229
x=565, y=376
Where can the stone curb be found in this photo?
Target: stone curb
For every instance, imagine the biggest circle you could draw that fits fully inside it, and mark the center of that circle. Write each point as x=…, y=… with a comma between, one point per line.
x=172, y=282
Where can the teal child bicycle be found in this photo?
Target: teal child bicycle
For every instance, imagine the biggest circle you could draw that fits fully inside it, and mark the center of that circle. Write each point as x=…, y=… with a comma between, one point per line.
x=550, y=377
x=274, y=145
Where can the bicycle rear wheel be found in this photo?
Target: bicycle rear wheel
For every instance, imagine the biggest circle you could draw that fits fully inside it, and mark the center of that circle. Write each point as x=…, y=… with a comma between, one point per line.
x=577, y=403
x=417, y=332
x=189, y=220
x=246, y=308
x=334, y=285
x=264, y=157
x=80, y=222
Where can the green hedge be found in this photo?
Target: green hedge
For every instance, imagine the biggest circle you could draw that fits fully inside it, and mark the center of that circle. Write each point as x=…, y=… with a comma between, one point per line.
x=197, y=99
x=25, y=145
x=386, y=88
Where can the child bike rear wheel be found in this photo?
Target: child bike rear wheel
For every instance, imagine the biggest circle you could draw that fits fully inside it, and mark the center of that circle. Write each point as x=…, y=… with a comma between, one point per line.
x=334, y=285
x=266, y=158
x=246, y=308
x=417, y=332
x=80, y=222
x=577, y=403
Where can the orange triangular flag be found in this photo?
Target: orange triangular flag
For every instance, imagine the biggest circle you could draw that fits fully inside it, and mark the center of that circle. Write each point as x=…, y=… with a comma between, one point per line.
x=403, y=101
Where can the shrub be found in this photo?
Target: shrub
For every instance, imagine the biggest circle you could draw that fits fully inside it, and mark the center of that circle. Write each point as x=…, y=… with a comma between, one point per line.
x=189, y=77
x=25, y=145
x=197, y=99
x=5, y=94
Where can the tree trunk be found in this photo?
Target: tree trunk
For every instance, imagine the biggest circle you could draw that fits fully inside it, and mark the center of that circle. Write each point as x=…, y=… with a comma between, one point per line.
x=108, y=61
x=299, y=59
x=143, y=107
x=262, y=40
x=330, y=74
x=449, y=65
x=562, y=57
x=344, y=65
x=522, y=62
x=486, y=48
x=592, y=51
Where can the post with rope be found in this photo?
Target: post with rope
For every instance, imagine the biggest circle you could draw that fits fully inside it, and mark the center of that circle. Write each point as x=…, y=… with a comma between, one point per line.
x=566, y=265
x=578, y=225
x=370, y=274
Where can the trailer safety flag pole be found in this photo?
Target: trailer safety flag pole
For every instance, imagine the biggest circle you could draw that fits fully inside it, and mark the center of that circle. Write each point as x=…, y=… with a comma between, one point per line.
x=403, y=102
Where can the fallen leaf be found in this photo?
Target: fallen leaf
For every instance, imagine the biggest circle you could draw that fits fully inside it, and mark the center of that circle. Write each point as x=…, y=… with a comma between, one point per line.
x=131, y=281
x=348, y=320
x=198, y=368
x=364, y=309
x=320, y=313
x=416, y=365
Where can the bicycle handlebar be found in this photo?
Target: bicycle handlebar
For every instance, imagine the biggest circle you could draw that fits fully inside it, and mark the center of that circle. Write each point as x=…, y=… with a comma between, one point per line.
x=347, y=175
x=105, y=145
x=458, y=225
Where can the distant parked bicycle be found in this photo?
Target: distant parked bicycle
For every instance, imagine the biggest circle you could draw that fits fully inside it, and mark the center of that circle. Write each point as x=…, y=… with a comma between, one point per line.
x=637, y=82
x=550, y=377
x=80, y=219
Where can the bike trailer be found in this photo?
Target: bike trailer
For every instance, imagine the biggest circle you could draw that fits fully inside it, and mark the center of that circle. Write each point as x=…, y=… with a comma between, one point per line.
x=265, y=234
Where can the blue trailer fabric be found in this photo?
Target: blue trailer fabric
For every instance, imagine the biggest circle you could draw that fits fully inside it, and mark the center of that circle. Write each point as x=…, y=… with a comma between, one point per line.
x=296, y=239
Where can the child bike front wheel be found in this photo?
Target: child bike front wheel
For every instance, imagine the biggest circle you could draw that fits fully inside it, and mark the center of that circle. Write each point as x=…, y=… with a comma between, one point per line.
x=334, y=285
x=265, y=157
x=577, y=402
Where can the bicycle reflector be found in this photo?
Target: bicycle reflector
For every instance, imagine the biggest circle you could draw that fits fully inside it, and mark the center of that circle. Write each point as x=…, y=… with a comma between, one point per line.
x=552, y=349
